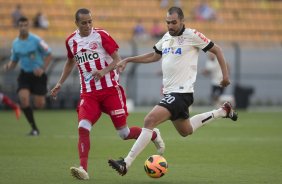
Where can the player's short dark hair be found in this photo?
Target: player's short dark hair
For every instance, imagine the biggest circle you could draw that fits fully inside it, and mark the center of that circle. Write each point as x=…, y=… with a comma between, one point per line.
x=177, y=10
x=22, y=19
x=81, y=11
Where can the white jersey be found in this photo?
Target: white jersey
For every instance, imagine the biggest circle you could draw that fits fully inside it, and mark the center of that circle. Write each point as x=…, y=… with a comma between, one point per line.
x=215, y=71
x=93, y=53
x=180, y=59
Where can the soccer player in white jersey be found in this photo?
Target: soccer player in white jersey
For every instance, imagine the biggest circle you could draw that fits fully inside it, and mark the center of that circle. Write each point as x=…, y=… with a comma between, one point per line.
x=95, y=54
x=178, y=51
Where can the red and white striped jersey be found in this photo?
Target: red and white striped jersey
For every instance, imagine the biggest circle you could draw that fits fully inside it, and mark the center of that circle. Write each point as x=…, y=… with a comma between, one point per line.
x=93, y=53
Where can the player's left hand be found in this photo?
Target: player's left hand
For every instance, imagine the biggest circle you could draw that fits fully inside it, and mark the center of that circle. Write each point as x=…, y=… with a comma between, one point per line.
x=55, y=91
x=38, y=72
x=5, y=68
x=121, y=65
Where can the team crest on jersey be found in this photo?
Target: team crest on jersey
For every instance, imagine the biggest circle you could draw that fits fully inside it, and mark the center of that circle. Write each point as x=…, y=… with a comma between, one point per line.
x=93, y=45
x=180, y=40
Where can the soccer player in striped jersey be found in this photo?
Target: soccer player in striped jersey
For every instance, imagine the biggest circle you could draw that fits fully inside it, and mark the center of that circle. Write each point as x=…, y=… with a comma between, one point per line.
x=95, y=53
x=4, y=99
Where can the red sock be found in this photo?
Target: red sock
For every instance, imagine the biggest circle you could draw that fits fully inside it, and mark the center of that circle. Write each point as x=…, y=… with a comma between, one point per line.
x=136, y=131
x=83, y=147
x=154, y=135
x=7, y=101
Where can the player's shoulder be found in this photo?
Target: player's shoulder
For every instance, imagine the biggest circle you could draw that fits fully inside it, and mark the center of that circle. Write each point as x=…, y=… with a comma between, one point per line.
x=71, y=36
x=34, y=37
x=101, y=31
x=189, y=32
x=15, y=41
x=165, y=37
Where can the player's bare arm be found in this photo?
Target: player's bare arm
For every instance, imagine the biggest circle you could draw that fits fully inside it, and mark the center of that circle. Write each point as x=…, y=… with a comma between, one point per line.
x=66, y=72
x=98, y=74
x=47, y=61
x=145, y=58
x=39, y=71
x=221, y=60
x=9, y=66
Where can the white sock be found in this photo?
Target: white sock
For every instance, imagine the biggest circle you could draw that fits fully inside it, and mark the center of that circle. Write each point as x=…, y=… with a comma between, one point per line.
x=139, y=145
x=201, y=119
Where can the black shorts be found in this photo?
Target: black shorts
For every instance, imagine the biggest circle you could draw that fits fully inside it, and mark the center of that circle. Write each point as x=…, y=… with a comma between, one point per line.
x=36, y=85
x=177, y=104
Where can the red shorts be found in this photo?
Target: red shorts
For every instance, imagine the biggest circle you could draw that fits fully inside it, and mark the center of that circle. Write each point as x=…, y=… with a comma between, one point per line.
x=111, y=101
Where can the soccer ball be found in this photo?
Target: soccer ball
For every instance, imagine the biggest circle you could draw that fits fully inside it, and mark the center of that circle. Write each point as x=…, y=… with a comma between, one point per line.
x=155, y=166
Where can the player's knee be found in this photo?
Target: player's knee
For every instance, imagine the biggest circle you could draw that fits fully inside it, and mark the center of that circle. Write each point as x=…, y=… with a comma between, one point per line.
x=124, y=132
x=24, y=102
x=185, y=133
x=150, y=120
x=85, y=124
x=40, y=105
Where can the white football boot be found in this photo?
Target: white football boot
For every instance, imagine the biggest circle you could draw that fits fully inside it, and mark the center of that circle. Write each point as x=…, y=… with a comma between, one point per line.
x=159, y=143
x=79, y=173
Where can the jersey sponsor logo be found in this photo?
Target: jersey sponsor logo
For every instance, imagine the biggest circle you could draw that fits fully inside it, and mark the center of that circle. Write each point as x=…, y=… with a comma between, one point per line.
x=202, y=36
x=177, y=51
x=86, y=56
x=118, y=112
x=88, y=77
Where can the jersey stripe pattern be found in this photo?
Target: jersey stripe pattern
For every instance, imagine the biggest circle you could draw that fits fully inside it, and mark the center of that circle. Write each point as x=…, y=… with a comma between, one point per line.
x=93, y=53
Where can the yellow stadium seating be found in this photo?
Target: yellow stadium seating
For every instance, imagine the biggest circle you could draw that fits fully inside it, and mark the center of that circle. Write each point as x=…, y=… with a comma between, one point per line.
x=238, y=20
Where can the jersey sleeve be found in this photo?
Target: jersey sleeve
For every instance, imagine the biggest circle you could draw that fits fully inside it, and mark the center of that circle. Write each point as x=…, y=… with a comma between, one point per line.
x=14, y=57
x=108, y=42
x=201, y=41
x=159, y=47
x=43, y=47
x=69, y=53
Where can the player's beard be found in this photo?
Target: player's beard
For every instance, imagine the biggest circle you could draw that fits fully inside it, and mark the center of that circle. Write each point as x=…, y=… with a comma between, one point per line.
x=173, y=32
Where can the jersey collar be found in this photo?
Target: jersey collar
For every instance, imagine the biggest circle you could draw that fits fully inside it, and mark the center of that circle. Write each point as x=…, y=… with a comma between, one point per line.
x=181, y=32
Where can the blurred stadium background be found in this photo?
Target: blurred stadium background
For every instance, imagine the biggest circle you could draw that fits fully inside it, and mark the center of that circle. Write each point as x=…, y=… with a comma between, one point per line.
x=250, y=33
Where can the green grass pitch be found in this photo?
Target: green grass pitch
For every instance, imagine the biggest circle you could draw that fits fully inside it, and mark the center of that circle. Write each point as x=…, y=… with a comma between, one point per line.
x=223, y=152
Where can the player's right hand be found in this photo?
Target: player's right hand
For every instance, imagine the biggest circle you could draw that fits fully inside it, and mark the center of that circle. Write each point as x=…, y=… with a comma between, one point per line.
x=55, y=91
x=4, y=68
x=121, y=65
